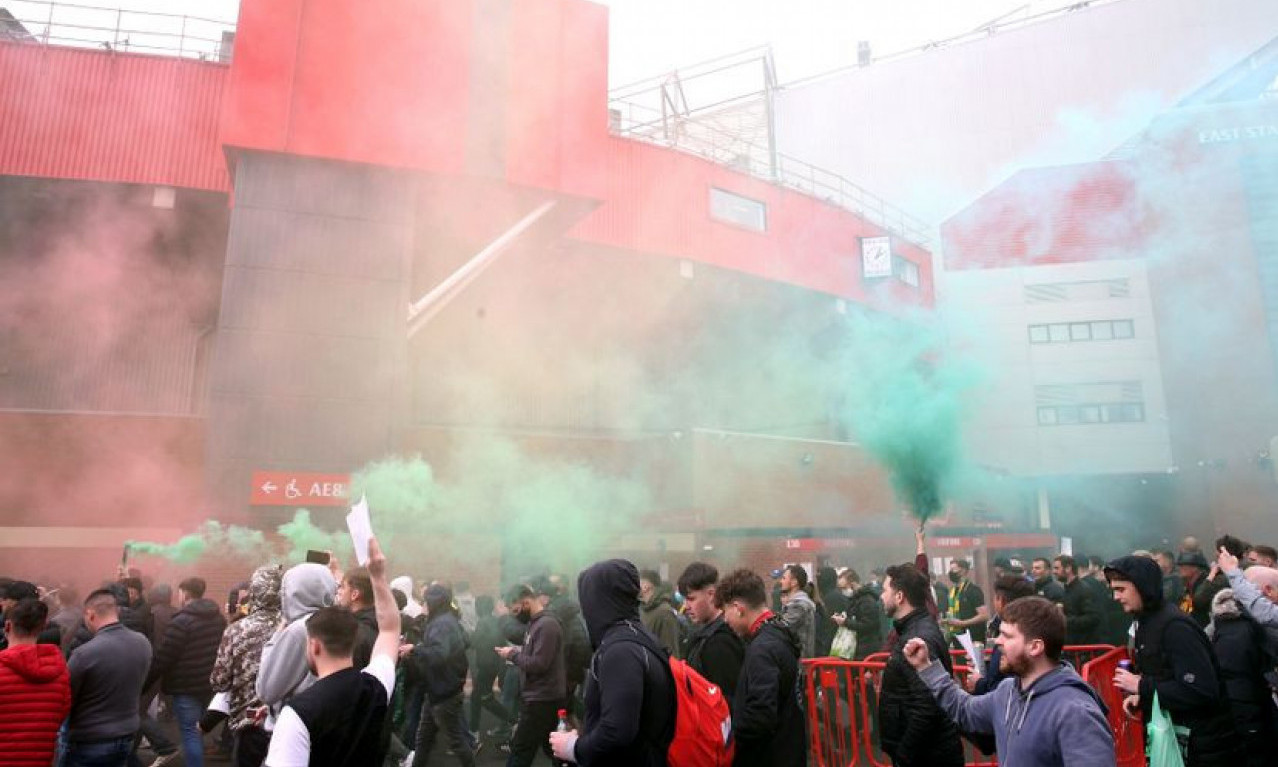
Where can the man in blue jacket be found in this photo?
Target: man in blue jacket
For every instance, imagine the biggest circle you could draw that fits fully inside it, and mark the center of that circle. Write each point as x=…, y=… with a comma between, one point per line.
x=1044, y=715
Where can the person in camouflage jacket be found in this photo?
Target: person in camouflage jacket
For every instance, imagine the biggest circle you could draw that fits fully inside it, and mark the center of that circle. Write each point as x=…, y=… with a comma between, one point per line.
x=238, y=659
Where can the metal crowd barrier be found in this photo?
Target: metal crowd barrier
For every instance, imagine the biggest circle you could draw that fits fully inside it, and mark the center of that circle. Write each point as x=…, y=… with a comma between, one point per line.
x=1129, y=734
x=842, y=707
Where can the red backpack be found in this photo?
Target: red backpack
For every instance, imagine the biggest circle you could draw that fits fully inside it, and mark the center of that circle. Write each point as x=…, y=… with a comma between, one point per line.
x=703, y=724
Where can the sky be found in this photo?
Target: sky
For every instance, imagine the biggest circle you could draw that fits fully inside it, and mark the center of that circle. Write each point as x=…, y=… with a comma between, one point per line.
x=652, y=37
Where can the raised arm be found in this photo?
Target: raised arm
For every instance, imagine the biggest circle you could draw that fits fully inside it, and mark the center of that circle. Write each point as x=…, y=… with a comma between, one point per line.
x=384, y=604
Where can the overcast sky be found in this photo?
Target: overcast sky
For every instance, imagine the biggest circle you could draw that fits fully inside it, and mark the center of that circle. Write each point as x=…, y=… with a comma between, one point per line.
x=651, y=37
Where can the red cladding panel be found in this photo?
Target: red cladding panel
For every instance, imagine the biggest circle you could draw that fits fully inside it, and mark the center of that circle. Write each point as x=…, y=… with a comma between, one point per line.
x=557, y=100
x=658, y=201
x=340, y=79
x=584, y=104
x=1052, y=215
x=107, y=116
x=258, y=102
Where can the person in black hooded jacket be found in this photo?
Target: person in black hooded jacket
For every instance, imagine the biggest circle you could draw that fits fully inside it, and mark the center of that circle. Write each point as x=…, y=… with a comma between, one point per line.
x=1173, y=658
x=913, y=729
x=767, y=720
x=630, y=696
x=441, y=657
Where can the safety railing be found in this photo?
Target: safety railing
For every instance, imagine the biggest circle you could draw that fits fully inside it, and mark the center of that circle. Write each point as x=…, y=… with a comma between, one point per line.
x=116, y=29
x=740, y=151
x=842, y=708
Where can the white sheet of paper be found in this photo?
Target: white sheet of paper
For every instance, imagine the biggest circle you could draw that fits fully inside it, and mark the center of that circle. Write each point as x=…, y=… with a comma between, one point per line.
x=361, y=528
x=977, y=658
x=1067, y=546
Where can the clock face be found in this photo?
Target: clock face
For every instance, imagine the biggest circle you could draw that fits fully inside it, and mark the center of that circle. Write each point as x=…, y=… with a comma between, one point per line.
x=876, y=256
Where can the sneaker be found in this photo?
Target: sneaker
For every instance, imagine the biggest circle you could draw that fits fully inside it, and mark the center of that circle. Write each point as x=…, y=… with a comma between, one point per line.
x=164, y=759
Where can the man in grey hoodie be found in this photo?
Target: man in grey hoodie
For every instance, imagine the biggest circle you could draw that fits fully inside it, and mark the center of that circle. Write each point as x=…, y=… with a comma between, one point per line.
x=1044, y=715
x=798, y=611
x=283, y=673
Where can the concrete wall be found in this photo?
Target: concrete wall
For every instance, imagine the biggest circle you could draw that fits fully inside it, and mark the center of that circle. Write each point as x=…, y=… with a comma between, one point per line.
x=998, y=306
x=309, y=361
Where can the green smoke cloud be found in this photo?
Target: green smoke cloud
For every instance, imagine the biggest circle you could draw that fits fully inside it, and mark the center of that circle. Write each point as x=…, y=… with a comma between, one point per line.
x=907, y=392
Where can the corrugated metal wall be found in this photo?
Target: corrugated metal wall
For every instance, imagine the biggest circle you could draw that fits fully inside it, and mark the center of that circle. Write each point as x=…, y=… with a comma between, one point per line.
x=73, y=372
x=109, y=116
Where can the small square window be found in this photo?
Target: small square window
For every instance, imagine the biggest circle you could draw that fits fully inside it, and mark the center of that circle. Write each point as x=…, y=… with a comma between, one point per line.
x=1038, y=334
x=1133, y=413
x=1103, y=331
x=1080, y=331
x=907, y=271
x=735, y=209
x=1059, y=333
x=1123, y=329
x=1047, y=416
x=1067, y=414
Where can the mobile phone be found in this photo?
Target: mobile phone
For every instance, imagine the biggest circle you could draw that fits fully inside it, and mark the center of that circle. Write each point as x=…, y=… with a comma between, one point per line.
x=318, y=557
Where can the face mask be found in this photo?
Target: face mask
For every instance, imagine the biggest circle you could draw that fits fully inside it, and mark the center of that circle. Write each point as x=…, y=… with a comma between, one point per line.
x=955, y=577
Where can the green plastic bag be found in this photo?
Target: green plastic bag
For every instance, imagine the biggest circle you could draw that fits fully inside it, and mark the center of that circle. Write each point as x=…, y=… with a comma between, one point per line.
x=1162, y=747
x=844, y=645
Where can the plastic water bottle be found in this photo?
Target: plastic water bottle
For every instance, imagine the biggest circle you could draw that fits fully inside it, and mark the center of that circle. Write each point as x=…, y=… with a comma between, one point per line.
x=563, y=727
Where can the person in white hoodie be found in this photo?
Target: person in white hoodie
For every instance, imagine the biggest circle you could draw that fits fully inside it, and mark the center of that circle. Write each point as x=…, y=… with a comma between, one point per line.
x=284, y=673
x=404, y=585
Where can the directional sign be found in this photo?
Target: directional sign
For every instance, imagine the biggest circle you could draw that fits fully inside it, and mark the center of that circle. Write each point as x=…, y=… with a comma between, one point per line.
x=299, y=488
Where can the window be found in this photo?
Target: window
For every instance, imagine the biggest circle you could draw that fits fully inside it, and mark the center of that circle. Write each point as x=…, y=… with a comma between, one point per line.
x=1067, y=332
x=1090, y=403
x=907, y=271
x=1091, y=290
x=737, y=210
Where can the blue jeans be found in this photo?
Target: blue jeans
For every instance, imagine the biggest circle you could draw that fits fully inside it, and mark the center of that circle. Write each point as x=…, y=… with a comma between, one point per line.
x=188, y=709
x=101, y=753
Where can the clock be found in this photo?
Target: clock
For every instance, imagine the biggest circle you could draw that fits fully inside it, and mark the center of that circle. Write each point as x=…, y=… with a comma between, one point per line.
x=876, y=256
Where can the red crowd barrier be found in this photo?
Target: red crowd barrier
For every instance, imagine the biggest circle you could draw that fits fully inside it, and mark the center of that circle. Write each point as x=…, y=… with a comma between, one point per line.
x=842, y=708
x=1129, y=734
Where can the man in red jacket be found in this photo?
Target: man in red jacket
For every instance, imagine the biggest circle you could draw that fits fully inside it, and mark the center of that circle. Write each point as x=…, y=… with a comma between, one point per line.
x=35, y=689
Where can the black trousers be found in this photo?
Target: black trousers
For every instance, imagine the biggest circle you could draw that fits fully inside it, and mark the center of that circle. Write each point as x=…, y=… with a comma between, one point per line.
x=483, y=698
x=445, y=715
x=537, y=719
x=251, y=745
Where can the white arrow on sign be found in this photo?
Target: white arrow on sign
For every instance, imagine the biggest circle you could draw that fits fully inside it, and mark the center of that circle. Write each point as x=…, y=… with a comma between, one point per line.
x=268, y=488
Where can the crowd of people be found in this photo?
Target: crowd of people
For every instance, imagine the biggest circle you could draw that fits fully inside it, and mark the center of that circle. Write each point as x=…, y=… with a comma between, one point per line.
x=313, y=665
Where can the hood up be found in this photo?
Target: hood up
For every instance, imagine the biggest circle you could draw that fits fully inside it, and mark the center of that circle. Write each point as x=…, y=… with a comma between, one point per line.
x=306, y=588
x=609, y=594
x=404, y=584
x=1145, y=575
x=439, y=600
x=264, y=588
